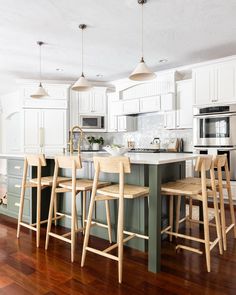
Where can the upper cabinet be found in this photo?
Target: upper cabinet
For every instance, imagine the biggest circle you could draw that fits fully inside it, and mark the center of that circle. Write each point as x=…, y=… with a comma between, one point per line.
x=93, y=102
x=58, y=95
x=184, y=104
x=150, y=104
x=215, y=84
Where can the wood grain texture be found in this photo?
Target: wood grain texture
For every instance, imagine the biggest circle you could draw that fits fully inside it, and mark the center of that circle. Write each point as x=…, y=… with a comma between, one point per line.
x=26, y=269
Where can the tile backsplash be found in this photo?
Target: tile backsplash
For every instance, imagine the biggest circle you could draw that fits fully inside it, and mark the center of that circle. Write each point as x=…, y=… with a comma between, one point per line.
x=149, y=126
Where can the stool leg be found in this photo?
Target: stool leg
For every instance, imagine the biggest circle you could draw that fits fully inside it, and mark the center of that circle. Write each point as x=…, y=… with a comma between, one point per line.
x=76, y=217
x=231, y=206
x=177, y=214
x=89, y=219
x=206, y=233
x=120, y=237
x=73, y=220
x=53, y=196
x=108, y=215
x=218, y=225
x=84, y=211
x=22, y=195
x=38, y=217
x=55, y=211
x=222, y=216
x=190, y=212
x=171, y=216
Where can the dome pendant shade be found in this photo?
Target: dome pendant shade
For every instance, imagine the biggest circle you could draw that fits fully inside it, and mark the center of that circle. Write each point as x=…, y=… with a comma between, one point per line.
x=40, y=92
x=142, y=72
x=82, y=84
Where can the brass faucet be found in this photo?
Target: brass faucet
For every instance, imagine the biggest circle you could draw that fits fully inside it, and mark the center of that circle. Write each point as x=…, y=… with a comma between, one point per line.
x=71, y=138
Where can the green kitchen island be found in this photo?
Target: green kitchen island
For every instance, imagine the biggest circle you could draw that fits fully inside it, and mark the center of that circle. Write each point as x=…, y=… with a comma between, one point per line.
x=140, y=215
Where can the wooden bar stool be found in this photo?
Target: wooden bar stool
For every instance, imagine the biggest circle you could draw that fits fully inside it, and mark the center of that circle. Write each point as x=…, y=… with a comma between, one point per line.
x=201, y=192
x=116, y=165
x=220, y=164
x=75, y=186
x=40, y=183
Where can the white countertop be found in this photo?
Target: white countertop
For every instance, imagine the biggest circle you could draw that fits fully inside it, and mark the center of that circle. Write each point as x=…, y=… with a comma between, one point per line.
x=135, y=158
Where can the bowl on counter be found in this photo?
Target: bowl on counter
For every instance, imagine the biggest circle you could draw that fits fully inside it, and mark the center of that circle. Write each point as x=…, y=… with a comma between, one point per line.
x=116, y=150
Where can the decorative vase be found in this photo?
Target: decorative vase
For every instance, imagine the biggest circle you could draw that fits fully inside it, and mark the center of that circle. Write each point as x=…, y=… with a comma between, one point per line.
x=95, y=146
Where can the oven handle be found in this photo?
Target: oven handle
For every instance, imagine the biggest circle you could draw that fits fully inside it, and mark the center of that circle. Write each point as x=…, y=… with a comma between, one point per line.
x=215, y=115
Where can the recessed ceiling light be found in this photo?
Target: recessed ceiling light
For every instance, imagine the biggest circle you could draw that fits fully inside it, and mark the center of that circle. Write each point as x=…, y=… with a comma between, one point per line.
x=162, y=61
x=59, y=70
x=99, y=75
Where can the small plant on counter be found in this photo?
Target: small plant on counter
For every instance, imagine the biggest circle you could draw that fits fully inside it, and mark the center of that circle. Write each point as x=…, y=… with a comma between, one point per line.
x=95, y=142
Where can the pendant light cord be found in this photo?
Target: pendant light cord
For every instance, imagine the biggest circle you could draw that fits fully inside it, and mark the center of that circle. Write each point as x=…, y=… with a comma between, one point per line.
x=82, y=51
x=40, y=64
x=142, y=34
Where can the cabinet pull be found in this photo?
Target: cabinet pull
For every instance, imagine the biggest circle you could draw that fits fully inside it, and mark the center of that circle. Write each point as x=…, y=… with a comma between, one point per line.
x=17, y=167
x=17, y=186
x=41, y=137
x=17, y=204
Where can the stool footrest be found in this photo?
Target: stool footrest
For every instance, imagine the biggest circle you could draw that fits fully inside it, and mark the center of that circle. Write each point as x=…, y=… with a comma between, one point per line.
x=102, y=253
x=30, y=226
x=188, y=249
x=228, y=228
x=59, y=237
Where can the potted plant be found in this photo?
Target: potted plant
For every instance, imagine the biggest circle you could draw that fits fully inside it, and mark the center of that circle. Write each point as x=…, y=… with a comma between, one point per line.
x=95, y=142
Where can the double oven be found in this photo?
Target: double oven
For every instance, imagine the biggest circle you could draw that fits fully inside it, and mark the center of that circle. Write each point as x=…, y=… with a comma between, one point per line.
x=214, y=132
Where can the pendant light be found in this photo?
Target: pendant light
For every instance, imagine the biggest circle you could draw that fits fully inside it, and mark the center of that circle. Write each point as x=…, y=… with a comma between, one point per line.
x=142, y=72
x=82, y=84
x=40, y=92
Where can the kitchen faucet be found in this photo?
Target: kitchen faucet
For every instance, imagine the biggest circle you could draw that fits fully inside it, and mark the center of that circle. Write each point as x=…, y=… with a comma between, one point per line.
x=75, y=128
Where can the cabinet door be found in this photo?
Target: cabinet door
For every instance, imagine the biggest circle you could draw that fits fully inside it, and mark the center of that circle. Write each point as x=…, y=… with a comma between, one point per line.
x=131, y=107
x=54, y=129
x=184, y=113
x=226, y=81
x=74, y=108
x=112, y=123
x=122, y=123
x=169, y=120
x=32, y=131
x=85, y=99
x=204, y=90
x=167, y=102
x=150, y=104
x=98, y=102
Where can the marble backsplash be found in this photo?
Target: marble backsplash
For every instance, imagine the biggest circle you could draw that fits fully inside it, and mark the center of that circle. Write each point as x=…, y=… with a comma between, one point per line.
x=149, y=126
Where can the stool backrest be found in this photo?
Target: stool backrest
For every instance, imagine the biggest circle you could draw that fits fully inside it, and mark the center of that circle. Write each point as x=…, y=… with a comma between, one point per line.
x=67, y=162
x=112, y=164
x=203, y=165
x=36, y=160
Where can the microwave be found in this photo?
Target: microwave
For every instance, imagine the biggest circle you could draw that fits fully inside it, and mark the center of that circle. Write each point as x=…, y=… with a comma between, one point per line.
x=92, y=122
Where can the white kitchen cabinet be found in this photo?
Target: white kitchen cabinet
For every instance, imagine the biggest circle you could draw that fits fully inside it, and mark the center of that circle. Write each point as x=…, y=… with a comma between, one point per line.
x=215, y=84
x=168, y=102
x=184, y=104
x=150, y=104
x=204, y=85
x=74, y=109
x=226, y=82
x=93, y=102
x=131, y=106
x=126, y=123
x=169, y=120
x=45, y=130
x=115, y=108
x=58, y=95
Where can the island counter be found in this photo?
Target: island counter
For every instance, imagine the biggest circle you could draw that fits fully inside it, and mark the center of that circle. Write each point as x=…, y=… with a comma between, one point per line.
x=147, y=169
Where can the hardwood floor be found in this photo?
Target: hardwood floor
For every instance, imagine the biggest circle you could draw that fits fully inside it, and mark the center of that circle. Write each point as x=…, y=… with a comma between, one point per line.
x=27, y=270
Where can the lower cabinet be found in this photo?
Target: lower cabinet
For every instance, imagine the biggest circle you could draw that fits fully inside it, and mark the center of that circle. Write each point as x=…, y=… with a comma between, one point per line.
x=14, y=179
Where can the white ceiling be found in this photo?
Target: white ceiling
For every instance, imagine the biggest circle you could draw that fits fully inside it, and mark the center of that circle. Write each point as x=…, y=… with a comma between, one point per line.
x=184, y=31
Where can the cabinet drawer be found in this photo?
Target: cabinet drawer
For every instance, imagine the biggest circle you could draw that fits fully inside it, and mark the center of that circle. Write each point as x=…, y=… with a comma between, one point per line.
x=15, y=167
x=14, y=186
x=13, y=200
